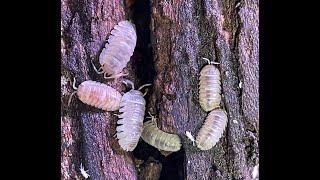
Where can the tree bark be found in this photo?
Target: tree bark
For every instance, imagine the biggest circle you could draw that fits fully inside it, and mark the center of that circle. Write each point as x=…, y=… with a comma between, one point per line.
x=181, y=32
x=224, y=31
x=87, y=133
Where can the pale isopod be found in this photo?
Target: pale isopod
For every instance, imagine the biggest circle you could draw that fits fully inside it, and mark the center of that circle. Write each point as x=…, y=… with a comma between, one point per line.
x=117, y=52
x=209, y=90
x=98, y=95
x=152, y=135
x=132, y=109
x=212, y=130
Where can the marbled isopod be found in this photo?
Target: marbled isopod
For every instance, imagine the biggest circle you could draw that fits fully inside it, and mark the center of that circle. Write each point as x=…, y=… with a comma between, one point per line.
x=132, y=109
x=210, y=89
x=152, y=135
x=117, y=52
x=98, y=95
x=212, y=130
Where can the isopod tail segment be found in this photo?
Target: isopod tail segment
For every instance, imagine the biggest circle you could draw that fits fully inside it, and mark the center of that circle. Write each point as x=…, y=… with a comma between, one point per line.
x=101, y=71
x=75, y=88
x=210, y=62
x=128, y=82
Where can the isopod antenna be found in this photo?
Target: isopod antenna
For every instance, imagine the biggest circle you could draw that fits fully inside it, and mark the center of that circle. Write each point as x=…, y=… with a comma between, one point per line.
x=152, y=117
x=75, y=88
x=210, y=62
x=145, y=85
x=128, y=82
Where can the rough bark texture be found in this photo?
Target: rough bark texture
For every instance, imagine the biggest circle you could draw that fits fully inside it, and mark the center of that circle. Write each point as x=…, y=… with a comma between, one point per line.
x=182, y=31
x=225, y=31
x=150, y=170
x=87, y=133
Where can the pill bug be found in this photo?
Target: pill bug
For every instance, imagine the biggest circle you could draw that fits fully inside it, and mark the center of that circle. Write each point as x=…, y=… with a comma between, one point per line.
x=117, y=52
x=98, y=95
x=132, y=109
x=212, y=129
x=152, y=135
x=210, y=89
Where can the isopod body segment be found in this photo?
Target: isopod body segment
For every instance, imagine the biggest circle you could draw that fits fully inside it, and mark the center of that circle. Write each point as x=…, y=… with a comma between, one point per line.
x=117, y=52
x=152, y=135
x=99, y=95
x=212, y=129
x=210, y=87
x=132, y=109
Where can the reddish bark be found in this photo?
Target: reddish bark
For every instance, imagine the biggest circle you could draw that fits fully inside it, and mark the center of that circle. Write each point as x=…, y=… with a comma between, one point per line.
x=87, y=133
x=181, y=33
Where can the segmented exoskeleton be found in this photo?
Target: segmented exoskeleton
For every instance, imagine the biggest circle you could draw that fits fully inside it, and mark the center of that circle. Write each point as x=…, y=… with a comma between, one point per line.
x=158, y=138
x=210, y=89
x=212, y=129
x=132, y=109
x=117, y=52
x=98, y=95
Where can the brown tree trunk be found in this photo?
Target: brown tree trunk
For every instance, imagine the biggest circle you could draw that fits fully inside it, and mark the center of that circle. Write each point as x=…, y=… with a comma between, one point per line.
x=181, y=32
x=87, y=133
x=225, y=31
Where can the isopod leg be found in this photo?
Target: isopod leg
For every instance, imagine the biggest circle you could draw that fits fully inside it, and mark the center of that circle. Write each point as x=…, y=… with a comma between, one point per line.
x=116, y=114
x=115, y=76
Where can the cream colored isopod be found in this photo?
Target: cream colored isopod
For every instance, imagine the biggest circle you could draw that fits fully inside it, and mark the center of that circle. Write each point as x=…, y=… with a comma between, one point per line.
x=117, y=52
x=210, y=87
x=132, y=109
x=212, y=129
x=152, y=135
x=98, y=95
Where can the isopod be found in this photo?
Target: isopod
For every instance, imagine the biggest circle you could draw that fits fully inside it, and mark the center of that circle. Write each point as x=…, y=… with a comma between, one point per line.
x=209, y=90
x=117, y=52
x=152, y=135
x=98, y=95
x=132, y=109
x=212, y=130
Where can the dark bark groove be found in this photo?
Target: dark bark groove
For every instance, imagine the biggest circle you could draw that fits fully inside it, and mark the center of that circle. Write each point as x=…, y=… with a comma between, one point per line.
x=173, y=36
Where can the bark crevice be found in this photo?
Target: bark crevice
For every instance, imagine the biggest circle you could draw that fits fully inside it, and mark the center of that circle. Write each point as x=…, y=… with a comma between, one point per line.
x=173, y=36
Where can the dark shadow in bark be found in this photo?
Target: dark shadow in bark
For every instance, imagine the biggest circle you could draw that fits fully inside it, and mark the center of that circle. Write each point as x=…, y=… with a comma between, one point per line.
x=143, y=66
